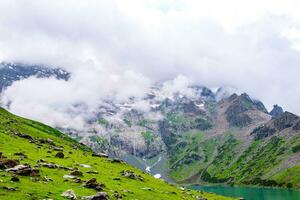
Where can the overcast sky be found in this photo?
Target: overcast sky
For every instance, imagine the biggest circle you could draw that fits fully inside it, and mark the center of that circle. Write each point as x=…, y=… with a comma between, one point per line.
x=121, y=47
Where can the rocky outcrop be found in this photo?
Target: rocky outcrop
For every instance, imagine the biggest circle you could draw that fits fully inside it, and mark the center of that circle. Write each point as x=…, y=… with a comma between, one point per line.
x=286, y=120
x=98, y=196
x=60, y=155
x=131, y=175
x=260, y=106
x=263, y=132
x=237, y=113
x=8, y=163
x=69, y=194
x=93, y=184
x=166, y=133
x=276, y=111
x=24, y=170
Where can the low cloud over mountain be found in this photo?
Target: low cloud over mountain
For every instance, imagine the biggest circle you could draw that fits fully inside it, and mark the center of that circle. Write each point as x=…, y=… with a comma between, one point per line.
x=115, y=50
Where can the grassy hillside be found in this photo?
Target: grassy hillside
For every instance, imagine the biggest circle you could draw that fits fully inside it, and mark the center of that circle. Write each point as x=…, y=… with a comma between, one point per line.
x=50, y=156
x=271, y=161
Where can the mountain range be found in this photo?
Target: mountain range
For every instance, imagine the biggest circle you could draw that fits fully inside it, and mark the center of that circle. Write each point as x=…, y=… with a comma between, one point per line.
x=194, y=136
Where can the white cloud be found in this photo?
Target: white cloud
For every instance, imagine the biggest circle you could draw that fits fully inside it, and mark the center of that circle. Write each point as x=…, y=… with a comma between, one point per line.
x=119, y=48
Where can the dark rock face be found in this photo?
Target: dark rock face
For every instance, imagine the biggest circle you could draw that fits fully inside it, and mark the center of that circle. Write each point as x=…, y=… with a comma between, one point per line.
x=286, y=120
x=235, y=112
x=297, y=126
x=189, y=107
x=10, y=72
x=189, y=159
x=260, y=106
x=207, y=93
x=276, y=111
x=263, y=132
x=167, y=135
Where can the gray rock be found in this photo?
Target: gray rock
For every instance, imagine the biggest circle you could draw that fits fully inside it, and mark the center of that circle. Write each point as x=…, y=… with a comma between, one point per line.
x=93, y=184
x=10, y=188
x=60, y=155
x=8, y=163
x=70, y=194
x=100, y=155
x=98, y=196
x=84, y=165
x=15, y=178
x=276, y=111
x=131, y=175
x=76, y=173
x=24, y=170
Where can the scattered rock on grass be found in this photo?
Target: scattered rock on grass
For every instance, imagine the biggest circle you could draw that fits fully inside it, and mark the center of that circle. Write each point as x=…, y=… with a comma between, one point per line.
x=47, y=179
x=46, y=141
x=92, y=183
x=117, y=195
x=55, y=148
x=8, y=163
x=92, y=172
x=76, y=173
x=70, y=194
x=115, y=160
x=15, y=178
x=98, y=196
x=100, y=155
x=84, y=165
x=24, y=170
x=131, y=175
x=49, y=165
x=41, y=161
x=67, y=176
x=22, y=155
x=148, y=189
x=10, y=188
x=25, y=136
x=60, y=155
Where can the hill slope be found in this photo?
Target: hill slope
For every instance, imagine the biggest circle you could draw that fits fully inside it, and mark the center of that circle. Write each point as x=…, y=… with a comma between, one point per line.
x=38, y=162
x=244, y=146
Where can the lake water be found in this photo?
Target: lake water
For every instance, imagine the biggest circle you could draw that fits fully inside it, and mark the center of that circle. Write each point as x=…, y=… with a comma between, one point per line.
x=252, y=193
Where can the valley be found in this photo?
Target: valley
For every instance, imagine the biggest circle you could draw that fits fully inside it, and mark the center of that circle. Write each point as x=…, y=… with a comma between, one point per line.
x=198, y=137
x=39, y=162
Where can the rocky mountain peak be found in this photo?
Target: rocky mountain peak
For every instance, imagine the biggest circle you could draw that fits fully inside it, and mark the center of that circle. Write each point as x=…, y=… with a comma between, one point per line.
x=276, y=111
x=236, y=113
x=276, y=125
x=10, y=72
x=232, y=97
x=245, y=97
x=285, y=120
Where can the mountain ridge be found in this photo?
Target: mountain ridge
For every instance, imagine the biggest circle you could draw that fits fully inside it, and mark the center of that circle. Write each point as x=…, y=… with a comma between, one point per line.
x=39, y=162
x=196, y=133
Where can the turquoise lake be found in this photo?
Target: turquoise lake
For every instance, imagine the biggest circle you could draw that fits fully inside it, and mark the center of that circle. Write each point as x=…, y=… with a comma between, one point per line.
x=252, y=193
